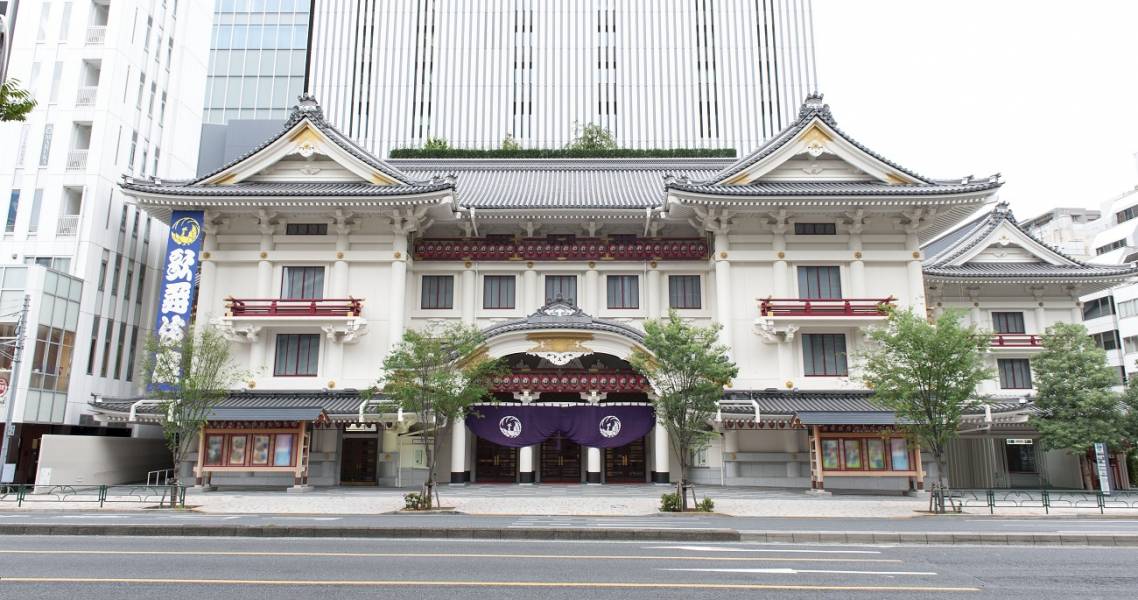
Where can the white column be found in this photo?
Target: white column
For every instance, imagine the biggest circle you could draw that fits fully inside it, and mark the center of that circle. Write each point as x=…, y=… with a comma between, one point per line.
x=916, y=275
x=530, y=292
x=857, y=266
x=265, y=266
x=731, y=447
x=662, y=450
x=588, y=302
x=779, y=272
x=208, y=282
x=458, y=452
x=723, y=288
x=398, y=290
x=593, y=466
x=653, y=293
x=257, y=355
x=468, y=295
x=525, y=465
x=1040, y=317
x=340, y=267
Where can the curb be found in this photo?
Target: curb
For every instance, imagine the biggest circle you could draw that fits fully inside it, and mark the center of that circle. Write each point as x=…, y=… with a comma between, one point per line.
x=940, y=538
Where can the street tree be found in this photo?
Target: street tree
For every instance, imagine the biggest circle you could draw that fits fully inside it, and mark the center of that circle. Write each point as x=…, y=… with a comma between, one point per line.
x=591, y=136
x=928, y=373
x=15, y=101
x=190, y=377
x=688, y=369
x=436, y=374
x=1076, y=400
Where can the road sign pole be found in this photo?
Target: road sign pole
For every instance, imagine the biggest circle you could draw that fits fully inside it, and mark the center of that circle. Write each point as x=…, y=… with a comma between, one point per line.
x=8, y=474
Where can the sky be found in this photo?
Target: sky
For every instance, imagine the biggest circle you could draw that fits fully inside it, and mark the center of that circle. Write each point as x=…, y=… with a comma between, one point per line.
x=1043, y=92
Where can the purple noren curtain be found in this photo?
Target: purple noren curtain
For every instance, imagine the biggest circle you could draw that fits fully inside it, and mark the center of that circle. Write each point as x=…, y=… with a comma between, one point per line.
x=597, y=426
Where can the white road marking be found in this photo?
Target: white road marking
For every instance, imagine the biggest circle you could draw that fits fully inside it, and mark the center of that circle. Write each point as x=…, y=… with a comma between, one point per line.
x=724, y=549
x=308, y=518
x=800, y=571
x=93, y=516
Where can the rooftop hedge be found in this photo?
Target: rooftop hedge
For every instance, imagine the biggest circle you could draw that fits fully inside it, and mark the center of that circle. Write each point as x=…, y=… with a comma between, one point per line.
x=563, y=153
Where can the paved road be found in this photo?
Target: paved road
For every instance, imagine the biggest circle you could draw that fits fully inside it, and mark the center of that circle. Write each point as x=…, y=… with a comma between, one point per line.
x=192, y=568
x=1121, y=522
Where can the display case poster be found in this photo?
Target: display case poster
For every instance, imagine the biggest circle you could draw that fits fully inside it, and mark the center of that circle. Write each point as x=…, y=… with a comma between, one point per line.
x=282, y=453
x=899, y=454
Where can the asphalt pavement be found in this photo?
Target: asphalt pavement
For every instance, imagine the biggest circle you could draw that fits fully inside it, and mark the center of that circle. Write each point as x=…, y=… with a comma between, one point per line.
x=33, y=567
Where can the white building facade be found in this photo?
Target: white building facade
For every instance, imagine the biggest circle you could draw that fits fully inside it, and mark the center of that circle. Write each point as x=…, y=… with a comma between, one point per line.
x=119, y=87
x=656, y=73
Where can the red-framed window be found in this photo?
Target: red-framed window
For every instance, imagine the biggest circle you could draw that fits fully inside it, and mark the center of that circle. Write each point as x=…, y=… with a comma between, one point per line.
x=623, y=291
x=824, y=355
x=866, y=454
x=298, y=355
x=438, y=292
x=1015, y=373
x=250, y=449
x=498, y=291
x=684, y=292
x=305, y=283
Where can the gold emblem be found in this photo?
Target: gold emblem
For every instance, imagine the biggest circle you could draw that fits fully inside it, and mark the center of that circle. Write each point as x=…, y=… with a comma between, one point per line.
x=185, y=231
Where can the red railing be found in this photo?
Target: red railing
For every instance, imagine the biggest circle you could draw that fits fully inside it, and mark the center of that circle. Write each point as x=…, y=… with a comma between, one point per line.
x=580, y=381
x=1016, y=340
x=825, y=307
x=294, y=307
x=553, y=249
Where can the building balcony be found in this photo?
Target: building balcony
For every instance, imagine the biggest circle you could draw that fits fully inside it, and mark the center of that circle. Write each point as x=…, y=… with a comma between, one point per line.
x=571, y=381
x=1016, y=341
x=96, y=35
x=821, y=308
x=488, y=249
x=86, y=96
x=77, y=160
x=67, y=226
x=246, y=318
x=293, y=307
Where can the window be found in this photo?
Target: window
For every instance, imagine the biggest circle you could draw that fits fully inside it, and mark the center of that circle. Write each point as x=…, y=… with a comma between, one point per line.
x=119, y=349
x=13, y=210
x=129, y=278
x=53, y=92
x=303, y=282
x=45, y=146
x=683, y=291
x=306, y=229
x=561, y=287
x=861, y=454
x=133, y=149
x=116, y=277
x=819, y=282
x=103, y=271
x=130, y=356
x=1099, y=307
x=108, y=331
x=438, y=292
x=815, y=229
x=1126, y=214
x=1021, y=457
x=623, y=291
x=94, y=346
x=297, y=355
x=824, y=355
x=141, y=283
x=1130, y=344
x=498, y=291
x=1008, y=322
x=1015, y=373
x=1128, y=308
x=1111, y=246
x=1107, y=340
x=34, y=218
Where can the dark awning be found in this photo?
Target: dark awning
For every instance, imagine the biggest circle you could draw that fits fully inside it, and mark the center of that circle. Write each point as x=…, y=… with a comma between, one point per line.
x=847, y=418
x=267, y=413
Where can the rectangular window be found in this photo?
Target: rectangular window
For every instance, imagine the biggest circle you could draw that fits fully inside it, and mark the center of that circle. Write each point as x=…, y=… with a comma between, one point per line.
x=1127, y=214
x=498, y=291
x=623, y=291
x=236, y=449
x=1107, y=340
x=103, y=271
x=899, y=454
x=13, y=210
x=56, y=74
x=824, y=355
x=819, y=282
x=34, y=218
x=438, y=292
x=683, y=291
x=303, y=283
x=306, y=229
x=1021, y=457
x=298, y=355
x=851, y=449
x=94, y=346
x=45, y=146
x=129, y=278
x=1127, y=308
x=1115, y=245
x=1008, y=322
x=815, y=229
x=116, y=276
x=1099, y=307
x=119, y=349
x=1130, y=344
x=831, y=454
x=1015, y=373
x=561, y=287
x=108, y=332
x=130, y=353
x=875, y=453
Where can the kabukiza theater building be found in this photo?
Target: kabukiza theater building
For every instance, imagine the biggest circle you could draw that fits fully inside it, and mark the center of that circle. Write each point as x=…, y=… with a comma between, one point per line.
x=316, y=256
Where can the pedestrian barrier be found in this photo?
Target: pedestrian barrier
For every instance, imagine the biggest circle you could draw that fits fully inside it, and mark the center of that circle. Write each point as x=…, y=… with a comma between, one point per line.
x=163, y=495
x=993, y=499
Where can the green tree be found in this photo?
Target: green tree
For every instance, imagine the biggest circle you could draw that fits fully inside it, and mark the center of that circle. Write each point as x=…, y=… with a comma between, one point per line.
x=927, y=373
x=591, y=137
x=509, y=143
x=436, y=374
x=688, y=369
x=436, y=143
x=15, y=102
x=1076, y=401
x=189, y=376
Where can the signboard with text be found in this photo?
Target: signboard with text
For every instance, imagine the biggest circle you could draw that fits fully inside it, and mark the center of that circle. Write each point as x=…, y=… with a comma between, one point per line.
x=177, y=287
x=1102, y=465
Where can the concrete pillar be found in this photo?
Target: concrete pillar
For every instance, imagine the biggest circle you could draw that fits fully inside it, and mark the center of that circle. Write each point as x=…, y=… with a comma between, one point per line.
x=588, y=300
x=469, y=297
x=916, y=275
x=723, y=288
x=662, y=450
x=1040, y=318
x=458, y=473
x=207, y=284
x=339, y=287
x=779, y=273
x=398, y=291
x=265, y=266
x=857, y=267
x=531, y=294
x=593, y=466
x=730, y=448
x=653, y=293
x=525, y=465
x=389, y=444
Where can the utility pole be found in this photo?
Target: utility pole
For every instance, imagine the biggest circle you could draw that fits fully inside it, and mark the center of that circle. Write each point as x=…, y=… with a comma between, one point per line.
x=7, y=476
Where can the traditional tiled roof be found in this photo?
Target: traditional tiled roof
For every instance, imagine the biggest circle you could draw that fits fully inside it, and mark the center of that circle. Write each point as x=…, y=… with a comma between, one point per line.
x=790, y=402
x=619, y=183
x=559, y=314
x=254, y=189
x=1014, y=270
x=830, y=188
x=333, y=402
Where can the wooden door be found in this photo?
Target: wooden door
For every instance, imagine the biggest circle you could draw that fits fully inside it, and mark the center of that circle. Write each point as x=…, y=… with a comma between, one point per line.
x=626, y=464
x=560, y=461
x=358, y=460
x=494, y=463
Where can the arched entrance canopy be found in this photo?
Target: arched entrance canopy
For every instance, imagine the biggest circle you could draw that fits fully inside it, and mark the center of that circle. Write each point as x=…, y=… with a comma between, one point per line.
x=560, y=332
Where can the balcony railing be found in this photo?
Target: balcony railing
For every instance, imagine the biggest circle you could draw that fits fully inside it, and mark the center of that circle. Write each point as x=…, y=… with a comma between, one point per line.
x=86, y=96
x=1016, y=340
x=571, y=381
x=294, y=307
x=569, y=249
x=825, y=307
x=77, y=160
x=67, y=226
x=96, y=34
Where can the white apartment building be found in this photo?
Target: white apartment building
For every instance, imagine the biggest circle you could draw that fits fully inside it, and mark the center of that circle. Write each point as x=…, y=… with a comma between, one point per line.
x=656, y=73
x=119, y=87
x=317, y=255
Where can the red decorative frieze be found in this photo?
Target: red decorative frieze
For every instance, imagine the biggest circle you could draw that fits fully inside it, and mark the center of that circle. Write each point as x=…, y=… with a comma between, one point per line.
x=1016, y=340
x=486, y=249
x=825, y=307
x=792, y=423
x=569, y=381
x=293, y=307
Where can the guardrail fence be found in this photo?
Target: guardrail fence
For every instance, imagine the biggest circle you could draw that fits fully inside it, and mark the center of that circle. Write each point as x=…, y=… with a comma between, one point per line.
x=164, y=495
x=1046, y=499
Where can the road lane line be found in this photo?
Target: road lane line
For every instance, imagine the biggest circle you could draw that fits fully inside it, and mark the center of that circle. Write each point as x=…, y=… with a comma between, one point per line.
x=788, y=550
x=490, y=584
x=788, y=571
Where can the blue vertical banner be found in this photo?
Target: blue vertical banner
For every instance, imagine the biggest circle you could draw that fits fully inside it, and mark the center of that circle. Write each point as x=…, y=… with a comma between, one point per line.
x=176, y=292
